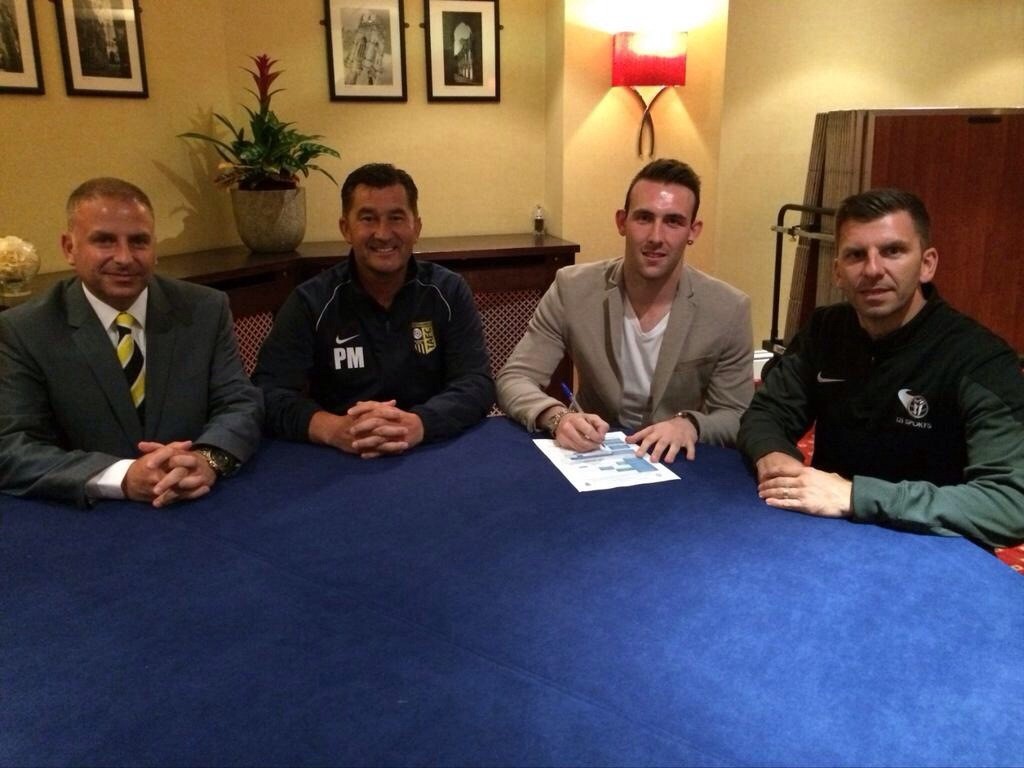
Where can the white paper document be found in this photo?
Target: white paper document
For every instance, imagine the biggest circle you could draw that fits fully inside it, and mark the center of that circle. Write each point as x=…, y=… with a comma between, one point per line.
x=613, y=465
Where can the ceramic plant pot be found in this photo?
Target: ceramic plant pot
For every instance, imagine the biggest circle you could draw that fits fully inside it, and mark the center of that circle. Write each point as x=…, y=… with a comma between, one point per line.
x=270, y=221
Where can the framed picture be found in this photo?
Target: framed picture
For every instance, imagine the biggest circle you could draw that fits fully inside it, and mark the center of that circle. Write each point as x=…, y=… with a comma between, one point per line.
x=20, y=71
x=462, y=50
x=101, y=44
x=366, y=50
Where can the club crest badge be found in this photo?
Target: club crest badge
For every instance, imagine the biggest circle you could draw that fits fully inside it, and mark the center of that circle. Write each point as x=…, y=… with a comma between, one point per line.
x=423, y=338
x=916, y=405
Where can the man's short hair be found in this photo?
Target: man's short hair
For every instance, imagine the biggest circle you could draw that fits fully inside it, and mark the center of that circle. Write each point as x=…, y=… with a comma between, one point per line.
x=876, y=203
x=669, y=171
x=107, y=186
x=378, y=176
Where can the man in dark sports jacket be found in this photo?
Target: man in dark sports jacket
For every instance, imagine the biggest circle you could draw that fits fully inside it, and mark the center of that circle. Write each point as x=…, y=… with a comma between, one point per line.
x=380, y=352
x=918, y=409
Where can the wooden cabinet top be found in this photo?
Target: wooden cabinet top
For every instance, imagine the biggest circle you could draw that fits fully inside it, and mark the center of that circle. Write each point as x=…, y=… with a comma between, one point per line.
x=219, y=264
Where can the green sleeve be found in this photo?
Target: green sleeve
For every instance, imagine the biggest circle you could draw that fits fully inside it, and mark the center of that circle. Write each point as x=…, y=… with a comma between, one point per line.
x=989, y=505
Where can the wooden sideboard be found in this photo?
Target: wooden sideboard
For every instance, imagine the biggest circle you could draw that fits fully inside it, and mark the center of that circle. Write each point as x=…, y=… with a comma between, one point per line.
x=507, y=273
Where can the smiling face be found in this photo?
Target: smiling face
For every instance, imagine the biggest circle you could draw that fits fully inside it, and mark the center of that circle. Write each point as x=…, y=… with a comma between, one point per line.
x=382, y=228
x=110, y=245
x=880, y=266
x=657, y=226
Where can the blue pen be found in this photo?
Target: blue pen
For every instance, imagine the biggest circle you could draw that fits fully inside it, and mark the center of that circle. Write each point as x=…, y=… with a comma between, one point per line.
x=573, y=405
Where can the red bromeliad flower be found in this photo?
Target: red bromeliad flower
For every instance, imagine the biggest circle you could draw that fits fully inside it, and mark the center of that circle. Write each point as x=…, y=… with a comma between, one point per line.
x=264, y=78
x=276, y=154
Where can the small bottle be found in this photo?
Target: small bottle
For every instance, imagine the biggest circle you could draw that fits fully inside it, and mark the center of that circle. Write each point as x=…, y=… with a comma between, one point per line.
x=538, y=220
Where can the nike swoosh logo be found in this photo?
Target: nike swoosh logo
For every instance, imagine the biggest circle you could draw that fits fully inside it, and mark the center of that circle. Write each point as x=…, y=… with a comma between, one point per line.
x=339, y=340
x=824, y=380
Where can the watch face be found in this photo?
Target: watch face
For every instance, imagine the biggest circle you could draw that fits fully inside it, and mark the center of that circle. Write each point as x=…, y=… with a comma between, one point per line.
x=223, y=463
x=220, y=461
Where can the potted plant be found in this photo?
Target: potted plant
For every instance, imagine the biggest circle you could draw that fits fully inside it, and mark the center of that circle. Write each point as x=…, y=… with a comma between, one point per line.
x=262, y=169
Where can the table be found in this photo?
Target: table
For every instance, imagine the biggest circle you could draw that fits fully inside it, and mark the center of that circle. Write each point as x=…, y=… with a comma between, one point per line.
x=463, y=605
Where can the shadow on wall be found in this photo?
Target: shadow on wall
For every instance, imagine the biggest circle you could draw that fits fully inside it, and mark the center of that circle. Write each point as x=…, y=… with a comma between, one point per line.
x=206, y=217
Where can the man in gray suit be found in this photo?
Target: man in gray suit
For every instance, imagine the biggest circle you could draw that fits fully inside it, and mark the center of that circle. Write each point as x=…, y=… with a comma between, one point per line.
x=118, y=383
x=660, y=347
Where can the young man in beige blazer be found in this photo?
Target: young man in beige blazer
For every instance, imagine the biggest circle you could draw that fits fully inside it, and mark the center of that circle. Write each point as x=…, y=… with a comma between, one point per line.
x=659, y=347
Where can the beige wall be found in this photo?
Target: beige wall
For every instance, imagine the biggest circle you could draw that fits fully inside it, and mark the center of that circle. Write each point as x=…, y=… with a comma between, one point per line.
x=52, y=142
x=480, y=167
x=790, y=59
x=560, y=136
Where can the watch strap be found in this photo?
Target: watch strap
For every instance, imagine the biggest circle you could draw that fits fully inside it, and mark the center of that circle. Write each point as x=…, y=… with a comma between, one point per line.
x=221, y=462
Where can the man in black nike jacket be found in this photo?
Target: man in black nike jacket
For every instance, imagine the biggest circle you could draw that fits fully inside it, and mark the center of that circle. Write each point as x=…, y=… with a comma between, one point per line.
x=381, y=352
x=918, y=409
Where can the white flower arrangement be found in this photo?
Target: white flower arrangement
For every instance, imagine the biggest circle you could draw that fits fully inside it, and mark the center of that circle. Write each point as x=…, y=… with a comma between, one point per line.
x=19, y=263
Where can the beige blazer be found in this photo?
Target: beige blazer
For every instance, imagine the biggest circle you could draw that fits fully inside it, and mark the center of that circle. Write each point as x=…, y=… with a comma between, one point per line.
x=704, y=368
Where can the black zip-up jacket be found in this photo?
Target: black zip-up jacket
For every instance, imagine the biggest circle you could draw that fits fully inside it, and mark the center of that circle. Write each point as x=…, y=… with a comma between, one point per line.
x=332, y=345
x=928, y=421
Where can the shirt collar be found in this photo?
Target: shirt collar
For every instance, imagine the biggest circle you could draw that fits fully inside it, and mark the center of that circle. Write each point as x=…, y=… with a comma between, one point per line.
x=107, y=314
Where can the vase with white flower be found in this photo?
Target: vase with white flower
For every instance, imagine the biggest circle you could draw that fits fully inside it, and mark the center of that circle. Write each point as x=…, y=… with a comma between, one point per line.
x=19, y=263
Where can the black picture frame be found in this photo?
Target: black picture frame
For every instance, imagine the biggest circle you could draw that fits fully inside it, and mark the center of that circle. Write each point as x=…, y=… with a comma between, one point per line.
x=20, y=68
x=463, y=51
x=366, y=50
x=101, y=46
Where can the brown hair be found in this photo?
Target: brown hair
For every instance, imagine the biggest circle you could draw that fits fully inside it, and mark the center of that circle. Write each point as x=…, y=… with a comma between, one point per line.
x=669, y=171
x=106, y=186
x=378, y=176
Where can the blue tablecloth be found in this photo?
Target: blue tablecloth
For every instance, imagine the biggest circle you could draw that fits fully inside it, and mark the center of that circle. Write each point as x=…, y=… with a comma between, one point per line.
x=464, y=605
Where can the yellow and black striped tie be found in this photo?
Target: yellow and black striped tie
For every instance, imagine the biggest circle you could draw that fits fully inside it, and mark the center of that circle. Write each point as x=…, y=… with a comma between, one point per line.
x=130, y=356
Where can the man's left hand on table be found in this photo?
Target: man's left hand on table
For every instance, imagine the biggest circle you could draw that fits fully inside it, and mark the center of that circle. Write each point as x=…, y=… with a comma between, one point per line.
x=664, y=439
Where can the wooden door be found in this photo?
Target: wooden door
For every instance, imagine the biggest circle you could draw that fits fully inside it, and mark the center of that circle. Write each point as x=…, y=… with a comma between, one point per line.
x=968, y=167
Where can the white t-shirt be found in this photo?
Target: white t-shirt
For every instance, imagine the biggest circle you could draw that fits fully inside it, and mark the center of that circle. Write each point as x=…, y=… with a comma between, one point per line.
x=637, y=359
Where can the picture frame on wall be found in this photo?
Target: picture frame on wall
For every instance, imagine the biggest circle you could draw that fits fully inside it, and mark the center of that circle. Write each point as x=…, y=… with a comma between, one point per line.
x=101, y=45
x=462, y=50
x=366, y=50
x=20, y=69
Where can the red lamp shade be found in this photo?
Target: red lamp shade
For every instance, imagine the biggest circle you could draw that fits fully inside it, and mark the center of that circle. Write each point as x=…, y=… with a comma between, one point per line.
x=655, y=58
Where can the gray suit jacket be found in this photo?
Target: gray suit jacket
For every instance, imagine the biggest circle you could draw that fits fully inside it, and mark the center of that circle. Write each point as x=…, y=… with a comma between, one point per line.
x=65, y=410
x=704, y=368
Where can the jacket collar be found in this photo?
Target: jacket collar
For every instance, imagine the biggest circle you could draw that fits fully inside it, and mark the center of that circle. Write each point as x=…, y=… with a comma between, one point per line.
x=905, y=333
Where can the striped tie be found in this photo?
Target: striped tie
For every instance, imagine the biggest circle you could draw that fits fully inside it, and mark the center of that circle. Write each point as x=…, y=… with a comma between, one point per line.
x=131, y=360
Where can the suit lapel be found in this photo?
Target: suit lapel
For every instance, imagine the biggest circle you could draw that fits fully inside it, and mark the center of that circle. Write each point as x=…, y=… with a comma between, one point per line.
x=163, y=334
x=680, y=321
x=613, y=315
x=94, y=344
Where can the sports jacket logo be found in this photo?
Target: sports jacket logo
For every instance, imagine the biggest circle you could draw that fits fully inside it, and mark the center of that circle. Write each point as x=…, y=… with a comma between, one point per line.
x=826, y=380
x=348, y=357
x=423, y=339
x=916, y=405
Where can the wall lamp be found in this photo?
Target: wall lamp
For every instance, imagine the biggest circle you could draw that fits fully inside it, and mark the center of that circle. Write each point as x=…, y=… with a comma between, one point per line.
x=648, y=58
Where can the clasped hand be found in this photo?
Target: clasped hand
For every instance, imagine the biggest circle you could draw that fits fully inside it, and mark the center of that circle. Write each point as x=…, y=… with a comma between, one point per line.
x=166, y=473
x=783, y=481
x=369, y=428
